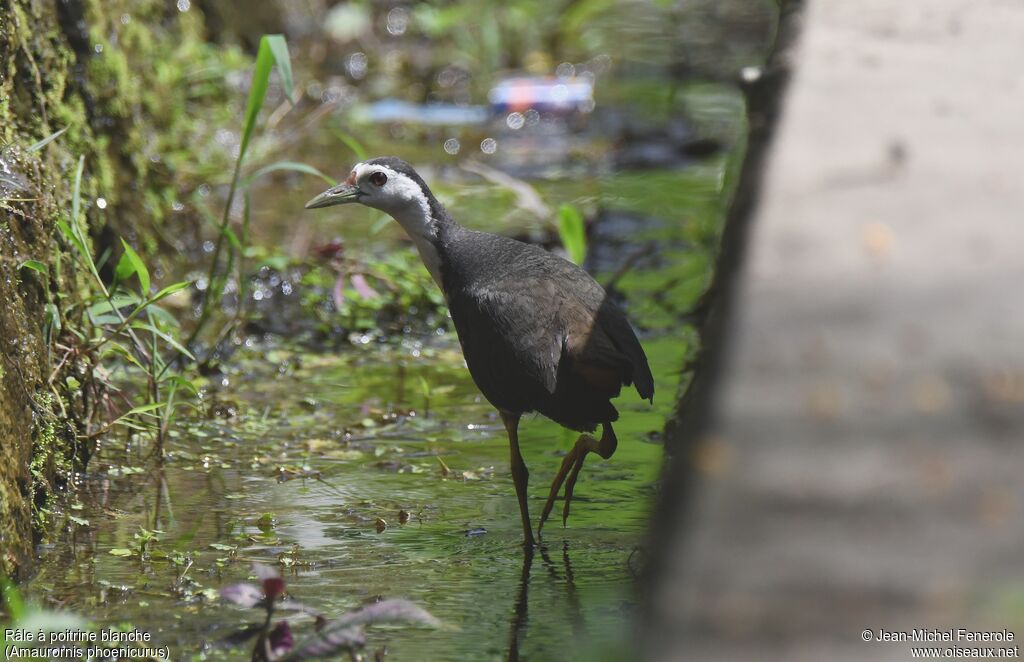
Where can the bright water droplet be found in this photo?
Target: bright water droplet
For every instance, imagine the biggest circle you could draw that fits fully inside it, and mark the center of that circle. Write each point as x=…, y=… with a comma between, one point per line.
x=515, y=121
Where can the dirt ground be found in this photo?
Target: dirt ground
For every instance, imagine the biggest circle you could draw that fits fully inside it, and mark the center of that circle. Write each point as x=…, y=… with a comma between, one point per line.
x=864, y=470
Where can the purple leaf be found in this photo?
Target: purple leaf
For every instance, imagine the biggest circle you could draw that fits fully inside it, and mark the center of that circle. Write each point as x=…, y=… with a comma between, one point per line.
x=328, y=643
x=363, y=287
x=281, y=640
x=243, y=595
x=346, y=633
x=339, y=292
x=385, y=611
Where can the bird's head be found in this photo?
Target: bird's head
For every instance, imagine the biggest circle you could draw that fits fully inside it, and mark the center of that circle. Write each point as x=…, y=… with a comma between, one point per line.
x=392, y=186
x=386, y=183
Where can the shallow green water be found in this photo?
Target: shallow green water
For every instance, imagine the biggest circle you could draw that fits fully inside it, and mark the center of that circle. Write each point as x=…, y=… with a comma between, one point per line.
x=360, y=419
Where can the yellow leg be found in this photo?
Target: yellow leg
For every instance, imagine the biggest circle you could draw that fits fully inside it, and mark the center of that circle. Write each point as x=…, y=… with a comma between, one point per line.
x=571, y=465
x=520, y=474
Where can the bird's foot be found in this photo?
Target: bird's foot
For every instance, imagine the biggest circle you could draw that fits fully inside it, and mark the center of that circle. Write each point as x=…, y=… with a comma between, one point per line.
x=567, y=474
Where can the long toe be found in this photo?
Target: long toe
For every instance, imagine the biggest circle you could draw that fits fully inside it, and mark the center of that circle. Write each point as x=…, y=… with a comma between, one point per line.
x=569, y=485
x=568, y=462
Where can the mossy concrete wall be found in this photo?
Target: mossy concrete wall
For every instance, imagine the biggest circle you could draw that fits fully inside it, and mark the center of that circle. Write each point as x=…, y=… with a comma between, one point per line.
x=138, y=89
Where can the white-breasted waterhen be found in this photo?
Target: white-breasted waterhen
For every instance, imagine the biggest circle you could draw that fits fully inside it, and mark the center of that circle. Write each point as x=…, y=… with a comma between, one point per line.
x=537, y=331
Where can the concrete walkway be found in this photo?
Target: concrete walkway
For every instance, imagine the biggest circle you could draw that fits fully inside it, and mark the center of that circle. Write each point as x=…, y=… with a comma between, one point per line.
x=866, y=468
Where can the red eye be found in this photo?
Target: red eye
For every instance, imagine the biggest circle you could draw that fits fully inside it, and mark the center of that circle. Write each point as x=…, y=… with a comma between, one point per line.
x=378, y=179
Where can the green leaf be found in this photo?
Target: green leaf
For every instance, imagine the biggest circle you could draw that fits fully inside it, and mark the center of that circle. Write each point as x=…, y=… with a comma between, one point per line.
x=121, y=551
x=183, y=383
x=279, y=48
x=35, y=265
x=166, y=338
x=115, y=303
x=289, y=165
x=70, y=235
x=168, y=291
x=142, y=409
x=76, y=197
x=233, y=238
x=130, y=263
x=35, y=147
x=52, y=322
x=119, y=349
x=572, y=233
x=162, y=318
x=260, y=76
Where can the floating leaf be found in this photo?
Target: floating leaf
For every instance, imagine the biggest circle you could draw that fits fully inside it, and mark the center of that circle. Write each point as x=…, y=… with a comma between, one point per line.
x=265, y=523
x=120, y=551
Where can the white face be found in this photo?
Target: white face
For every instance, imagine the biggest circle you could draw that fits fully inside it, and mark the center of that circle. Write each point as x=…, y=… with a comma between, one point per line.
x=392, y=192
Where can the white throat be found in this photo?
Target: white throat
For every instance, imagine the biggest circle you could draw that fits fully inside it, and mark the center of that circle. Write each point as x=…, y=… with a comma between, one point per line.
x=420, y=228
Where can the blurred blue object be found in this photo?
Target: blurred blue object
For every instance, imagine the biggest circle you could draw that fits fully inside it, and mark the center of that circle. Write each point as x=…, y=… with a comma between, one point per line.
x=545, y=94
x=437, y=114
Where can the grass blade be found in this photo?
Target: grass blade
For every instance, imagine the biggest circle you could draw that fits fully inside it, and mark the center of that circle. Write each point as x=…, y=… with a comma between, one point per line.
x=279, y=49
x=76, y=194
x=353, y=144
x=291, y=166
x=70, y=235
x=257, y=92
x=35, y=147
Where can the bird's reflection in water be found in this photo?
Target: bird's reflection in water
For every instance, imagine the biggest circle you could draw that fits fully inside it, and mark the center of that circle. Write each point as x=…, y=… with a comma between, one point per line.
x=520, y=613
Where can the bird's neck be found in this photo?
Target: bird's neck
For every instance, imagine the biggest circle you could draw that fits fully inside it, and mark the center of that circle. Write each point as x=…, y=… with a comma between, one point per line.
x=427, y=223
